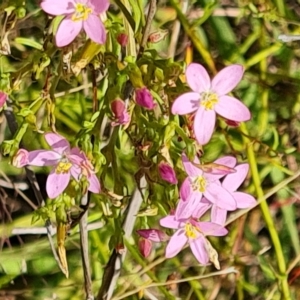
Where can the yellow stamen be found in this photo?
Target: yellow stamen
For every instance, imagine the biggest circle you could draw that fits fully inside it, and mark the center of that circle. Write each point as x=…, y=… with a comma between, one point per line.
x=63, y=167
x=81, y=12
x=199, y=183
x=191, y=231
x=209, y=100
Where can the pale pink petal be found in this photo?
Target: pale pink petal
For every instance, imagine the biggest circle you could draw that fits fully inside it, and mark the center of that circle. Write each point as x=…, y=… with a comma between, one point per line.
x=209, y=228
x=185, y=189
x=57, y=142
x=232, y=109
x=227, y=79
x=197, y=78
x=201, y=209
x=216, y=194
x=233, y=181
x=204, y=125
x=176, y=243
x=185, y=209
x=199, y=250
x=94, y=186
x=76, y=172
x=67, y=32
x=58, y=7
x=43, y=158
x=170, y=222
x=228, y=161
x=56, y=183
x=20, y=159
x=95, y=29
x=190, y=169
x=186, y=103
x=218, y=215
x=99, y=6
x=244, y=200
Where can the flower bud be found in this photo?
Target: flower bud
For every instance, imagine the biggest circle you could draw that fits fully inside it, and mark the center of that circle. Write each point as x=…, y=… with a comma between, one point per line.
x=144, y=98
x=154, y=235
x=167, y=173
x=3, y=98
x=20, y=159
x=122, y=39
x=145, y=247
x=119, y=110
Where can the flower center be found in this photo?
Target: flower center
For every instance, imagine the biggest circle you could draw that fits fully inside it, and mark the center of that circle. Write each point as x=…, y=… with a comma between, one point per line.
x=81, y=12
x=191, y=231
x=199, y=184
x=209, y=100
x=63, y=167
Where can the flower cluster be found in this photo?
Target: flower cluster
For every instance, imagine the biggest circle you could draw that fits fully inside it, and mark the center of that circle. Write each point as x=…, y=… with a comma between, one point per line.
x=207, y=186
x=66, y=163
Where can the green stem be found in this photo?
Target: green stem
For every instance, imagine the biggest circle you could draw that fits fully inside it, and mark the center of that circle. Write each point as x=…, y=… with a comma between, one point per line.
x=282, y=278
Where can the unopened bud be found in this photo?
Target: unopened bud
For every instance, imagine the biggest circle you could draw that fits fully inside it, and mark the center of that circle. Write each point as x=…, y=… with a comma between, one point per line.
x=144, y=98
x=20, y=159
x=145, y=247
x=122, y=39
x=157, y=36
x=167, y=173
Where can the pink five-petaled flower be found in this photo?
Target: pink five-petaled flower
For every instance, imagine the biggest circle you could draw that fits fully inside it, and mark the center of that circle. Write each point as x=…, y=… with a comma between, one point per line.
x=144, y=98
x=192, y=232
x=231, y=183
x=79, y=14
x=199, y=184
x=209, y=98
x=167, y=173
x=121, y=115
x=66, y=162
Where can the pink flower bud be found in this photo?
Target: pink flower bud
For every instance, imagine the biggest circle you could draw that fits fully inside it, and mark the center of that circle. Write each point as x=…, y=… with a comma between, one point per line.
x=154, y=235
x=119, y=110
x=3, y=98
x=167, y=173
x=145, y=247
x=20, y=159
x=232, y=123
x=144, y=98
x=122, y=39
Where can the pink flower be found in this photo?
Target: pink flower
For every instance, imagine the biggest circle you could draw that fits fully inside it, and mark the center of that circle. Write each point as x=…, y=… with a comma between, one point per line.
x=191, y=232
x=66, y=162
x=119, y=110
x=144, y=98
x=3, y=98
x=154, y=235
x=79, y=14
x=231, y=183
x=167, y=173
x=199, y=184
x=20, y=159
x=209, y=98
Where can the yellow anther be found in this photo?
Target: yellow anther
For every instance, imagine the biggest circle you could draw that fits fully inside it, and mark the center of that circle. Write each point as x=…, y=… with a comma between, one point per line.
x=199, y=184
x=81, y=12
x=191, y=231
x=63, y=167
x=209, y=100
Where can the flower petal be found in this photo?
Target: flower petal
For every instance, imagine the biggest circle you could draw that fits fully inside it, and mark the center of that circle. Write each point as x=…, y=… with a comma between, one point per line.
x=210, y=228
x=232, y=109
x=190, y=169
x=58, y=7
x=99, y=6
x=199, y=250
x=186, y=104
x=170, y=222
x=176, y=243
x=185, y=209
x=94, y=186
x=233, y=181
x=244, y=200
x=67, y=31
x=154, y=235
x=197, y=78
x=95, y=29
x=218, y=215
x=227, y=79
x=57, y=142
x=228, y=161
x=185, y=189
x=56, y=183
x=216, y=194
x=43, y=158
x=204, y=125
x=201, y=209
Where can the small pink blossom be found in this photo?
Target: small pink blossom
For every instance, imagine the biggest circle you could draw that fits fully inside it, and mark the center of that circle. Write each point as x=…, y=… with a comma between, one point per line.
x=194, y=233
x=66, y=162
x=20, y=159
x=144, y=98
x=121, y=115
x=199, y=184
x=154, y=235
x=231, y=183
x=79, y=14
x=3, y=98
x=209, y=98
x=167, y=173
